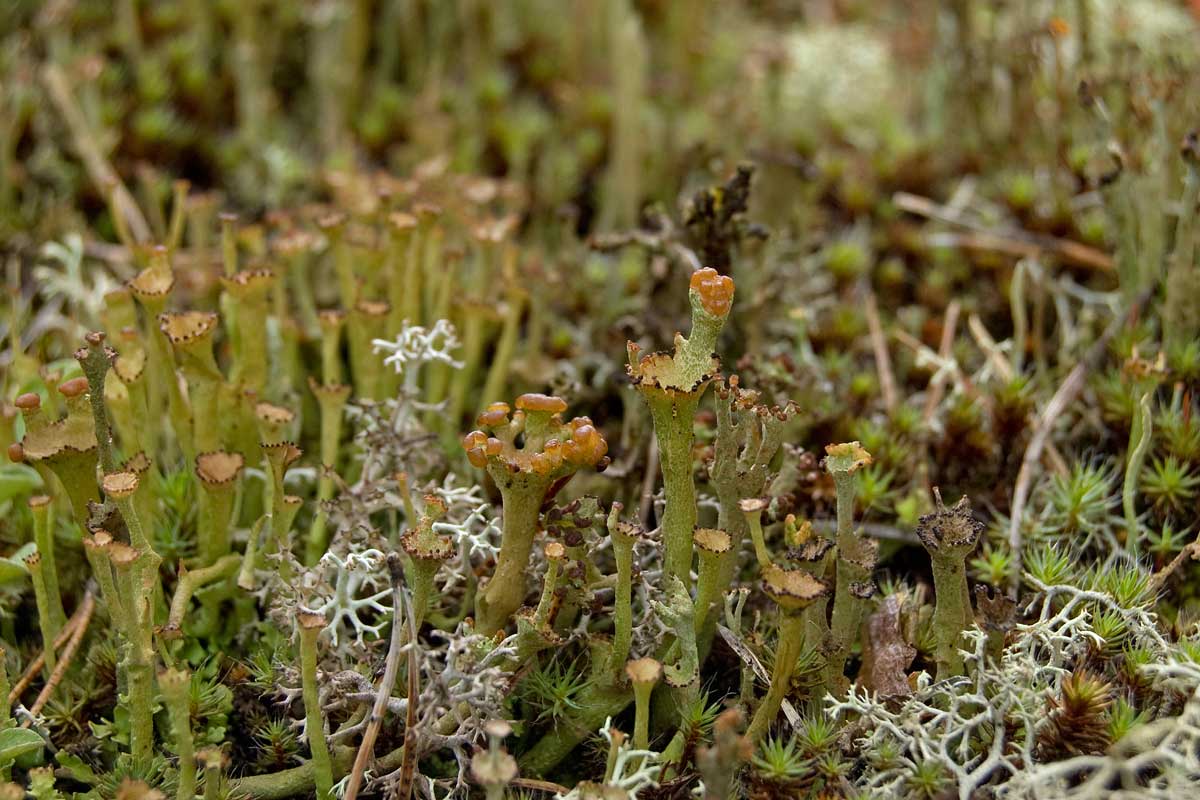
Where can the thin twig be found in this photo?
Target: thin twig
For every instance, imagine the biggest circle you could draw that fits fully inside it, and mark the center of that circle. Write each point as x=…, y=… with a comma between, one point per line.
x=60, y=669
x=366, y=749
x=1004, y=369
x=937, y=387
x=539, y=786
x=408, y=768
x=1014, y=241
x=1189, y=552
x=1067, y=391
x=883, y=360
x=646, y=502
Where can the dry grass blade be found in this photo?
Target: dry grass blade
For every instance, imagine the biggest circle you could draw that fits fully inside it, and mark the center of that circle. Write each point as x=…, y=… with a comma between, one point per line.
x=366, y=749
x=1067, y=391
x=408, y=768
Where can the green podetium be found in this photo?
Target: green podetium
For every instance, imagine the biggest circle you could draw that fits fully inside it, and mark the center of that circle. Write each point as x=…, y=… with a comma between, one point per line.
x=550, y=453
x=427, y=550
x=793, y=590
x=310, y=626
x=66, y=447
x=672, y=384
x=190, y=334
x=950, y=535
x=856, y=557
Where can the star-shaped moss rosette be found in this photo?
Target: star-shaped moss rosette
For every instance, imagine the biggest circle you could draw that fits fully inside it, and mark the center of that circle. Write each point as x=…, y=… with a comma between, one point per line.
x=672, y=384
x=427, y=550
x=67, y=447
x=950, y=535
x=550, y=452
x=793, y=591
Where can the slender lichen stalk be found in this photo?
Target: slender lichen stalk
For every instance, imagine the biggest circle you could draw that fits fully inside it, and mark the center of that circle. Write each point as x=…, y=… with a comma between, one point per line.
x=672, y=385
x=950, y=535
x=217, y=473
x=331, y=399
x=1141, y=434
x=624, y=537
x=248, y=292
x=311, y=626
x=555, y=554
x=1181, y=306
x=136, y=566
x=752, y=509
x=191, y=336
x=33, y=562
x=152, y=287
x=749, y=434
x=43, y=536
x=793, y=591
x=855, y=562
x=643, y=674
x=515, y=300
x=714, y=545
x=175, y=685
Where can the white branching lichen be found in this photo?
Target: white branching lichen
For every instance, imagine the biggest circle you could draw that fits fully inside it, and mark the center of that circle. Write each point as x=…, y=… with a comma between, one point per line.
x=982, y=728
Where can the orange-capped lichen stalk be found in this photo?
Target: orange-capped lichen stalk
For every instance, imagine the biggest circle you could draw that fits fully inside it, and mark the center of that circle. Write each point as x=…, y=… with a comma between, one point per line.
x=549, y=454
x=672, y=384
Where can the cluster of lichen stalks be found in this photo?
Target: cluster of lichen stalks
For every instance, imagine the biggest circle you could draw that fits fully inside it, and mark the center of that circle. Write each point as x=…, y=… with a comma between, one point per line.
x=699, y=565
x=220, y=391
x=164, y=363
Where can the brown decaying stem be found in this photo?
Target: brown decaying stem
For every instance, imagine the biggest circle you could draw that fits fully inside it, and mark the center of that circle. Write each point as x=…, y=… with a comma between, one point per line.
x=79, y=629
x=1190, y=551
x=1067, y=391
x=408, y=768
x=1014, y=241
x=883, y=361
x=366, y=749
x=646, y=502
x=538, y=786
x=1004, y=368
x=938, y=387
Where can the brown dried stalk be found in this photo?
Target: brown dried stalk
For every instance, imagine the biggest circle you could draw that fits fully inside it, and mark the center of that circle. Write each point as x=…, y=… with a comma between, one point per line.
x=366, y=749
